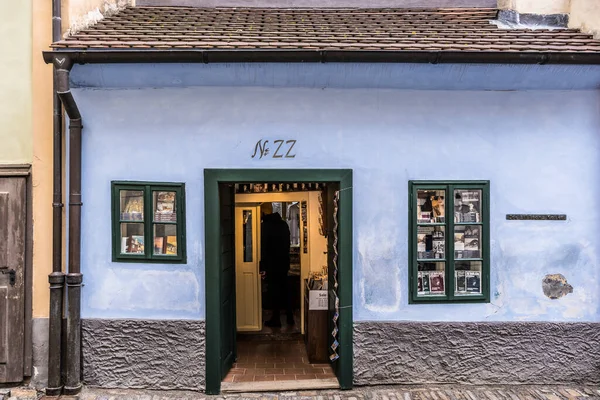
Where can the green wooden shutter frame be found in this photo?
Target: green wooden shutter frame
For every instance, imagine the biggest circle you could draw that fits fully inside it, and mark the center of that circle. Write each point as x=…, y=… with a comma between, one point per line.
x=449, y=187
x=148, y=188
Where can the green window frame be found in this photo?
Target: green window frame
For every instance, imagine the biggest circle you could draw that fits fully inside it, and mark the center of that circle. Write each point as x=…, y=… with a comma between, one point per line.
x=148, y=222
x=449, y=242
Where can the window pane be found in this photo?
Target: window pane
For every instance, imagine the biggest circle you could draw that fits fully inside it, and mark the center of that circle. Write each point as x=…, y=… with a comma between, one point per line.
x=164, y=206
x=467, y=206
x=247, y=235
x=467, y=241
x=430, y=206
x=132, y=205
x=165, y=239
x=431, y=279
x=132, y=238
x=431, y=242
x=467, y=275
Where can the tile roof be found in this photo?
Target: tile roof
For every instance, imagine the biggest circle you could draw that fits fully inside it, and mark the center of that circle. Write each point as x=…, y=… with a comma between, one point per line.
x=395, y=30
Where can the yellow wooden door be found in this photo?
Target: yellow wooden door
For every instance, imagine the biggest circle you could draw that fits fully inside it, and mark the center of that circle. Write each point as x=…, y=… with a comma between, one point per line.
x=247, y=277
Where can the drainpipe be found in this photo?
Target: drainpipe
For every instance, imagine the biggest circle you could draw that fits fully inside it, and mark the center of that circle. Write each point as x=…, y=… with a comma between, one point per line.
x=57, y=277
x=63, y=65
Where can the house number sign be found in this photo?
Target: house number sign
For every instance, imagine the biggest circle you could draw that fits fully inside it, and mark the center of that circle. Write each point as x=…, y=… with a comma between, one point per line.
x=280, y=148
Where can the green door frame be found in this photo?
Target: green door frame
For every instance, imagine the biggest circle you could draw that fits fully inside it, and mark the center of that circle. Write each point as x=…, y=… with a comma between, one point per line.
x=212, y=178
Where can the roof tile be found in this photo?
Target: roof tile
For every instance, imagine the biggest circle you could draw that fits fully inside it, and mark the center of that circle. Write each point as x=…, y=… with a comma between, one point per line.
x=448, y=29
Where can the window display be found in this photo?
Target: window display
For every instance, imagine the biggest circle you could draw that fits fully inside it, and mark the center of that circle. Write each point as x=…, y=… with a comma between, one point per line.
x=467, y=240
x=454, y=266
x=430, y=206
x=163, y=232
x=468, y=276
x=431, y=242
x=431, y=278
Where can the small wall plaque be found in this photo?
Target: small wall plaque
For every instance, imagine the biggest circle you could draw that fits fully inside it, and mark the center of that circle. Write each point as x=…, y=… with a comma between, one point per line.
x=536, y=217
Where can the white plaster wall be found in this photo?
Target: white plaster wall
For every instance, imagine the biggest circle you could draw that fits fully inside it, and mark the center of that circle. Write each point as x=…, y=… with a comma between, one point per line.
x=537, y=6
x=585, y=15
x=80, y=14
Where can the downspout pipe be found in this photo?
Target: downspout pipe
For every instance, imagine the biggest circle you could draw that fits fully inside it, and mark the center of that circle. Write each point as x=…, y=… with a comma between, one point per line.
x=57, y=278
x=72, y=384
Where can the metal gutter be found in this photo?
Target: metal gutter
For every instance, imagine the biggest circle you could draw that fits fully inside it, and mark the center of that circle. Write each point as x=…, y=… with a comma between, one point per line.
x=74, y=278
x=319, y=56
x=57, y=277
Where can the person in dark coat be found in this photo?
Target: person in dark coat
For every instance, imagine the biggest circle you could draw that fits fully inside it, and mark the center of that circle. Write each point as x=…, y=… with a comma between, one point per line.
x=275, y=264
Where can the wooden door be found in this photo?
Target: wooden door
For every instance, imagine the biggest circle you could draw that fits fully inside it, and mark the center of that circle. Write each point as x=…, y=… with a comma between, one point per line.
x=227, y=265
x=248, y=293
x=12, y=287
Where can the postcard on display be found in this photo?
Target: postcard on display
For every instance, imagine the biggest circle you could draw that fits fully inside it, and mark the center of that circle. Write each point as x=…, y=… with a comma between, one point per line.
x=473, y=279
x=165, y=207
x=461, y=283
x=472, y=249
x=459, y=241
x=420, y=282
x=438, y=248
x=424, y=217
x=437, y=203
x=171, y=245
x=136, y=244
x=470, y=196
x=158, y=245
x=425, y=280
x=436, y=282
x=471, y=231
x=421, y=243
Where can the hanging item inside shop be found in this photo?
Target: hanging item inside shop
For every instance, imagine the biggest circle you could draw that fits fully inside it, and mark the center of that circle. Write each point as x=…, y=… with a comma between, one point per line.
x=267, y=187
x=334, y=355
x=304, y=212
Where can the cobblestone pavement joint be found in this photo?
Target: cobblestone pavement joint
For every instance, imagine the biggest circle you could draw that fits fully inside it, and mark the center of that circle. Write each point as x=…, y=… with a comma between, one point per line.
x=431, y=392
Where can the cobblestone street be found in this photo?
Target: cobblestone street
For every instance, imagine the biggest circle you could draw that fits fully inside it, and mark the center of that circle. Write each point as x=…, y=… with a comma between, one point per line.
x=435, y=392
x=438, y=392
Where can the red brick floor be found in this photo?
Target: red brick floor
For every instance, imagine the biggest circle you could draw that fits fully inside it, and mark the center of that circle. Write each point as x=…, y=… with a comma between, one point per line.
x=272, y=360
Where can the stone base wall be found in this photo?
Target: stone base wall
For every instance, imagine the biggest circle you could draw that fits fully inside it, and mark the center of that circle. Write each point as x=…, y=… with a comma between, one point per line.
x=144, y=354
x=476, y=353
x=39, y=377
x=170, y=354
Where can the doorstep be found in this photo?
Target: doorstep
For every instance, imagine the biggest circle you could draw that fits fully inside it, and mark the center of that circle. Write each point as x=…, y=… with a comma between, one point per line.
x=276, y=386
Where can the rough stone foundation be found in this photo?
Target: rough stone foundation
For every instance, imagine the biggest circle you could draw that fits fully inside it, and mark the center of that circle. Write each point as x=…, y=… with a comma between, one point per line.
x=39, y=377
x=476, y=353
x=144, y=354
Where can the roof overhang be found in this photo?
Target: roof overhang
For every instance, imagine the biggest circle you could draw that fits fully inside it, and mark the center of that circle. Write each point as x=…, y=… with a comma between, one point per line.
x=320, y=56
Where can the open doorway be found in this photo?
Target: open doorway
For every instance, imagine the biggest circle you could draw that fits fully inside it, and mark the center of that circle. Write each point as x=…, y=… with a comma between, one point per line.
x=239, y=347
x=281, y=287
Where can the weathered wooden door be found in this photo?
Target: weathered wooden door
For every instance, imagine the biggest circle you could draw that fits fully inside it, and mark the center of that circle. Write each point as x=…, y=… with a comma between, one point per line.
x=228, y=324
x=248, y=294
x=12, y=287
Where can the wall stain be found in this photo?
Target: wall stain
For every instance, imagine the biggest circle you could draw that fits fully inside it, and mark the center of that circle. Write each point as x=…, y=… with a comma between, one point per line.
x=555, y=286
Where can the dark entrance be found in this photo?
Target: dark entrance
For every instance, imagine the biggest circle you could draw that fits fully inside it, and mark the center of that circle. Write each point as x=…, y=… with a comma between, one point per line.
x=220, y=265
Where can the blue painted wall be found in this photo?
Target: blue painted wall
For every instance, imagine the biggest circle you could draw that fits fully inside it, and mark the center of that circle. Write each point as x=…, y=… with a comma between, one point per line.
x=539, y=148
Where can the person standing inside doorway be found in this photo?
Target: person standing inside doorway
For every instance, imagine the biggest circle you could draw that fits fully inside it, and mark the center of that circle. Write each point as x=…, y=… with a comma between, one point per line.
x=275, y=264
